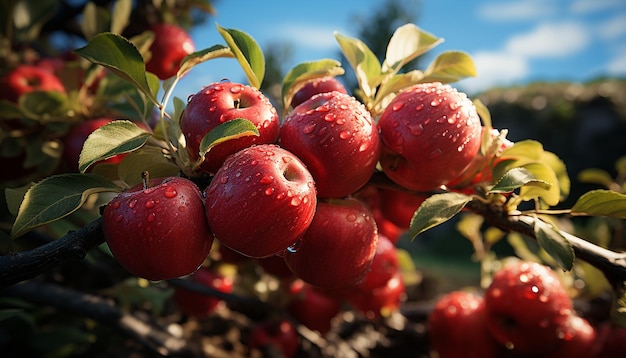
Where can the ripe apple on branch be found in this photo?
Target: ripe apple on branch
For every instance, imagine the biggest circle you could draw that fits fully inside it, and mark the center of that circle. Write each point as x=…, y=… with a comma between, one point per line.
x=225, y=168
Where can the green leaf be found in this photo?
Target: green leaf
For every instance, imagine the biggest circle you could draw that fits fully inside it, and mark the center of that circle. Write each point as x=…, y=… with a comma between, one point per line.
x=29, y=16
x=14, y=197
x=95, y=20
x=233, y=129
x=601, y=203
x=247, y=52
x=56, y=197
x=9, y=110
x=121, y=57
x=596, y=176
x=42, y=104
x=304, y=72
x=555, y=244
x=436, y=210
x=114, y=138
x=516, y=178
x=195, y=58
x=388, y=89
x=121, y=15
x=407, y=43
x=150, y=159
x=364, y=63
x=550, y=194
x=450, y=66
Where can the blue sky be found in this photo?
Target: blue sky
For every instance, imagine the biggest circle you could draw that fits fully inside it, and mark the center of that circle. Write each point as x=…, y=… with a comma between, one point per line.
x=511, y=41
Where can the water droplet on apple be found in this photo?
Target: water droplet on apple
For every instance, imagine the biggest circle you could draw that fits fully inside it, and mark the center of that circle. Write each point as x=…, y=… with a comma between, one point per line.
x=280, y=195
x=218, y=88
x=309, y=128
x=115, y=205
x=397, y=106
x=416, y=129
x=293, y=248
x=363, y=147
x=419, y=107
x=267, y=179
x=151, y=217
x=330, y=117
x=119, y=218
x=351, y=218
x=181, y=208
x=149, y=204
x=295, y=201
x=224, y=179
x=345, y=134
x=132, y=203
x=269, y=191
x=170, y=192
x=236, y=89
x=212, y=109
x=322, y=109
x=190, y=97
x=435, y=102
x=340, y=121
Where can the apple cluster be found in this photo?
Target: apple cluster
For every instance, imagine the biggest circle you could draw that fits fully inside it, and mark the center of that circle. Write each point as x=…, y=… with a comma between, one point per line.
x=526, y=311
x=299, y=191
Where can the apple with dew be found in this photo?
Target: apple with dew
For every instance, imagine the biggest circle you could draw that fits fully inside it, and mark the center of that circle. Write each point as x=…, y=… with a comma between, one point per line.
x=458, y=327
x=260, y=201
x=430, y=133
x=25, y=79
x=158, y=230
x=197, y=304
x=337, y=249
x=220, y=102
x=337, y=139
x=171, y=44
x=315, y=86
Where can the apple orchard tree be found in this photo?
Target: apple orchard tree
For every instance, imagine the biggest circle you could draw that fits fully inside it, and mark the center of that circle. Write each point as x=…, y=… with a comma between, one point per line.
x=177, y=205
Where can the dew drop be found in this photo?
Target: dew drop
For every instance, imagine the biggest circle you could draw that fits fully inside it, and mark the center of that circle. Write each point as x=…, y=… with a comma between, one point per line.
x=181, y=208
x=254, y=162
x=151, y=217
x=115, y=205
x=236, y=89
x=267, y=179
x=397, y=106
x=293, y=248
x=309, y=128
x=119, y=218
x=149, y=204
x=345, y=134
x=435, y=103
x=224, y=179
x=170, y=192
x=351, y=218
x=330, y=117
x=132, y=203
x=190, y=97
x=295, y=201
x=419, y=107
x=450, y=311
x=416, y=129
x=280, y=196
x=269, y=191
x=212, y=109
x=322, y=109
x=363, y=147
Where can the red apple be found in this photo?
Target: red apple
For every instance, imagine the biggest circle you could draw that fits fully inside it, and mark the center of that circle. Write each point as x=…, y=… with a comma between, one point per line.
x=275, y=338
x=171, y=44
x=384, y=265
x=577, y=340
x=458, y=328
x=276, y=266
x=196, y=304
x=336, y=138
x=611, y=340
x=430, y=133
x=318, y=85
x=220, y=102
x=24, y=79
x=337, y=249
x=399, y=206
x=260, y=201
x=159, y=232
x=380, y=301
x=312, y=306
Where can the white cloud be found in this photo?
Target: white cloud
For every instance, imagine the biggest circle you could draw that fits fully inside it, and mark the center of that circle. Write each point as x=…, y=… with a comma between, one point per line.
x=613, y=27
x=588, y=6
x=550, y=40
x=495, y=68
x=516, y=10
x=309, y=36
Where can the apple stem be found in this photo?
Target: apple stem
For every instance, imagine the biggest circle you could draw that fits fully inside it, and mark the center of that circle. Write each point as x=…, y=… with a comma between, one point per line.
x=237, y=103
x=145, y=178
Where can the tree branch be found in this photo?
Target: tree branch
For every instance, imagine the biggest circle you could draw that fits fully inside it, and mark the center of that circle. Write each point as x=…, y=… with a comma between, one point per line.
x=24, y=265
x=102, y=310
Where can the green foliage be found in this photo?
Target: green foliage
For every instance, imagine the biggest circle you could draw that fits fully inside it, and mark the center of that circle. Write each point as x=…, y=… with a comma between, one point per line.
x=304, y=72
x=233, y=129
x=56, y=197
x=601, y=203
x=436, y=210
x=247, y=52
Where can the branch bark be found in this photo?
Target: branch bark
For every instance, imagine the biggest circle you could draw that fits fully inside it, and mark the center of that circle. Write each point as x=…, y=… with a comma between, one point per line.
x=24, y=265
x=151, y=336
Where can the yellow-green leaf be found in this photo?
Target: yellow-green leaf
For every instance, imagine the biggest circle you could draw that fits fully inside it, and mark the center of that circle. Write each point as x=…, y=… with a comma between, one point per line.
x=450, y=66
x=56, y=197
x=232, y=129
x=516, y=178
x=555, y=244
x=195, y=58
x=407, y=43
x=601, y=203
x=364, y=63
